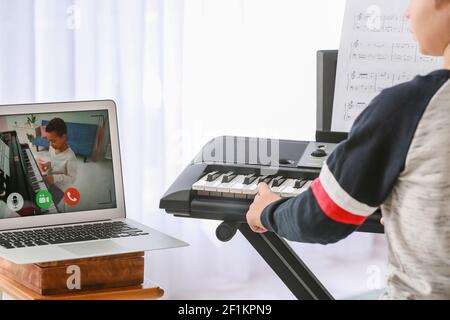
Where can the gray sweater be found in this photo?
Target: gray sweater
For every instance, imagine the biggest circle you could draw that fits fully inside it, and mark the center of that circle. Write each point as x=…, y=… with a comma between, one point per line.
x=397, y=158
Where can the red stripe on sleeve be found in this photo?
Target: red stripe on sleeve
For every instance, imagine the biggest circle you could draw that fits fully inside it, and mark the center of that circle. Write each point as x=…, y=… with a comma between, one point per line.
x=331, y=209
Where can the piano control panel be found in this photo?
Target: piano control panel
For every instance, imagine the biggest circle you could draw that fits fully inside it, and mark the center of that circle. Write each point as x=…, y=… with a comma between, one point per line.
x=316, y=154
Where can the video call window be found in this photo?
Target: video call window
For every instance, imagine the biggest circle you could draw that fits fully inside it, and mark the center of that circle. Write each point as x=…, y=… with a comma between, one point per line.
x=54, y=163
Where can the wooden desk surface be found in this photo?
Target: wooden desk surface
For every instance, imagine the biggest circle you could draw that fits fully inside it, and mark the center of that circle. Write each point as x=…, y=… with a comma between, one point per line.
x=146, y=291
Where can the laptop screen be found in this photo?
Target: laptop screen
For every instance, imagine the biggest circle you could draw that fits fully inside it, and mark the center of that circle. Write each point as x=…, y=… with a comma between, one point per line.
x=53, y=163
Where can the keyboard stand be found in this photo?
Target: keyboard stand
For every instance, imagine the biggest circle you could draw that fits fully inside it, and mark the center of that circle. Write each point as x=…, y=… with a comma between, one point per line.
x=282, y=259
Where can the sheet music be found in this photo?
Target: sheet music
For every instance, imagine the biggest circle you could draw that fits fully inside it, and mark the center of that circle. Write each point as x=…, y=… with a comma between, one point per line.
x=377, y=51
x=4, y=158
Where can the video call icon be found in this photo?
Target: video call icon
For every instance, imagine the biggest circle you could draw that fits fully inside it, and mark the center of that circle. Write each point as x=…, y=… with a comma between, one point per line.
x=44, y=199
x=15, y=202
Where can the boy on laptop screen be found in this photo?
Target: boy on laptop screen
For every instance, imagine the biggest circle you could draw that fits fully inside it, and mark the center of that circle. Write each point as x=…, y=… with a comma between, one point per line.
x=70, y=151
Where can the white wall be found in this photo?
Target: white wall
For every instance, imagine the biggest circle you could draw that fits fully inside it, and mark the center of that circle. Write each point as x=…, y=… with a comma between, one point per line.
x=250, y=66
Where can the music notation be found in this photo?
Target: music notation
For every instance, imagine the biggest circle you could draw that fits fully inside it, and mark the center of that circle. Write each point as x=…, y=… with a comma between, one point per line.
x=377, y=51
x=375, y=82
x=388, y=51
x=373, y=22
x=353, y=109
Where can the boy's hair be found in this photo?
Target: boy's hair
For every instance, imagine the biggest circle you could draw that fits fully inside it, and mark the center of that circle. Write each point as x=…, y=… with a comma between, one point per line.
x=58, y=126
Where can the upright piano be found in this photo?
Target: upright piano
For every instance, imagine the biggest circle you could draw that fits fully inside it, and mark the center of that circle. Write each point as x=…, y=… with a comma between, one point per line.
x=220, y=184
x=19, y=173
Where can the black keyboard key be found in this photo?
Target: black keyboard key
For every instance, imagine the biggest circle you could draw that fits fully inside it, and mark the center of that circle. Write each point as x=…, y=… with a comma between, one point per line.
x=230, y=176
x=250, y=179
x=213, y=176
x=266, y=179
x=300, y=183
x=278, y=181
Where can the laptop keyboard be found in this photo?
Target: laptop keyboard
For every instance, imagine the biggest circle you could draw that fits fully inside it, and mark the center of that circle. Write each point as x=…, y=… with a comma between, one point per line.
x=68, y=234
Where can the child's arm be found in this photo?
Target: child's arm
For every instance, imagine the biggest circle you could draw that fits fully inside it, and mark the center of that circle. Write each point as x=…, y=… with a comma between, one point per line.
x=358, y=177
x=70, y=177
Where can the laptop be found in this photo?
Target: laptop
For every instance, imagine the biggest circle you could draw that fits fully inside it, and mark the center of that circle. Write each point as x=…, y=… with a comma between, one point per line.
x=61, y=188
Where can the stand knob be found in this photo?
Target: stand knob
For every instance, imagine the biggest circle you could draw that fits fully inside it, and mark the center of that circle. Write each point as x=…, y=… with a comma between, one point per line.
x=226, y=231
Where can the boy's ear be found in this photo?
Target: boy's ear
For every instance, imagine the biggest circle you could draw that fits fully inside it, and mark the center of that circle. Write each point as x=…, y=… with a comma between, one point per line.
x=443, y=4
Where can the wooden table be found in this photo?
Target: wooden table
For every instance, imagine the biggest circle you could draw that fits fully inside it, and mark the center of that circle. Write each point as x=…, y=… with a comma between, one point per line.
x=11, y=290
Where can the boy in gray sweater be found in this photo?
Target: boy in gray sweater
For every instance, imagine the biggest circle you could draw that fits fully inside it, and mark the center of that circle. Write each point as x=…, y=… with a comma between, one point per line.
x=397, y=158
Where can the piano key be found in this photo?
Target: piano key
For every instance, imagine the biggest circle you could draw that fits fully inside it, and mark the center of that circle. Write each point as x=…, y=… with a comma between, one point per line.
x=211, y=177
x=203, y=182
x=291, y=191
x=266, y=179
x=200, y=185
x=230, y=186
x=278, y=181
x=35, y=186
x=251, y=189
x=238, y=184
x=307, y=185
x=288, y=188
x=247, y=188
x=33, y=170
x=300, y=183
x=211, y=186
x=228, y=177
x=279, y=189
x=249, y=179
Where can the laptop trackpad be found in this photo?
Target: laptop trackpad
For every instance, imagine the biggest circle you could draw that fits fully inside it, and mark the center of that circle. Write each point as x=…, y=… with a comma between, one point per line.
x=93, y=248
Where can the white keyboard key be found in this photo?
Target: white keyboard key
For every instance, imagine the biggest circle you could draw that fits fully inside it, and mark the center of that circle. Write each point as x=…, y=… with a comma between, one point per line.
x=229, y=186
x=279, y=190
x=200, y=185
x=34, y=170
x=238, y=186
x=213, y=185
x=203, y=182
x=290, y=190
x=251, y=189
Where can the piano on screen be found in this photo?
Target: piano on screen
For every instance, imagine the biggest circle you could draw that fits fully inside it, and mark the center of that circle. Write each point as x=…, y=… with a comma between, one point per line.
x=20, y=174
x=221, y=183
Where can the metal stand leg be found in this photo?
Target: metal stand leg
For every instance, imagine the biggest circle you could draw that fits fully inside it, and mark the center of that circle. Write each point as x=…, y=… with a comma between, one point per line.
x=285, y=263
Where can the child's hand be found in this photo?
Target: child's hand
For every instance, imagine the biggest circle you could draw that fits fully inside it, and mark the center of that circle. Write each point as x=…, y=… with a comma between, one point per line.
x=264, y=197
x=43, y=165
x=49, y=179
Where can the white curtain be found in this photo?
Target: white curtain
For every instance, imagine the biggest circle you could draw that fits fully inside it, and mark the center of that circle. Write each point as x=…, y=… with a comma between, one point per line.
x=183, y=72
